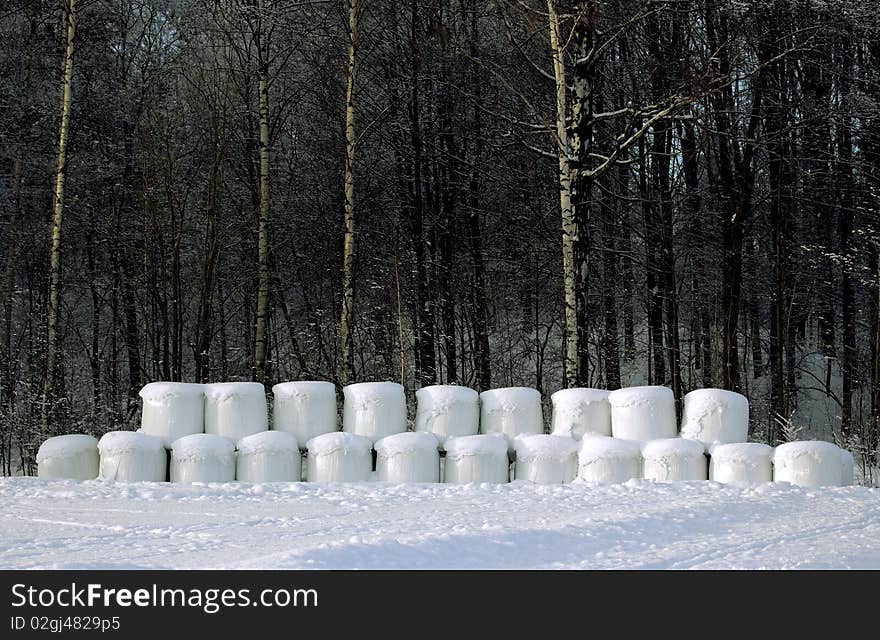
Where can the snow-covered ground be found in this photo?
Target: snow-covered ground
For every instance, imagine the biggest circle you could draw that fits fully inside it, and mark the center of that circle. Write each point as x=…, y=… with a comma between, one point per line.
x=641, y=524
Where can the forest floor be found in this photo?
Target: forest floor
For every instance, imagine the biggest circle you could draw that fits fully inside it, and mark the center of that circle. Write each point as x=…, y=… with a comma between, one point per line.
x=638, y=525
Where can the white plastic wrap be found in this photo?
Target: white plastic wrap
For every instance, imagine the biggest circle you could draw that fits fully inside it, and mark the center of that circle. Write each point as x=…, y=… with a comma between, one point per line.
x=70, y=457
x=808, y=463
x=673, y=460
x=715, y=416
x=741, y=462
x=202, y=457
x=235, y=409
x=609, y=460
x=339, y=457
x=847, y=468
x=512, y=411
x=447, y=411
x=128, y=456
x=480, y=458
x=545, y=459
x=306, y=409
x=580, y=411
x=172, y=410
x=643, y=413
x=268, y=456
x=408, y=457
x=374, y=409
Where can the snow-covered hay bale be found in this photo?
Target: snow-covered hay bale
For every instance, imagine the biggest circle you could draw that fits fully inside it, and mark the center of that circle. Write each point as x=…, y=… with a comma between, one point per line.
x=609, y=460
x=545, y=459
x=847, y=468
x=305, y=409
x=70, y=457
x=643, y=413
x=808, y=463
x=235, y=410
x=339, y=457
x=674, y=459
x=480, y=458
x=172, y=410
x=715, y=416
x=512, y=411
x=128, y=456
x=580, y=411
x=447, y=411
x=408, y=457
x=268, y=456
x=741, y=462
x=203, y=457
x=374, y=409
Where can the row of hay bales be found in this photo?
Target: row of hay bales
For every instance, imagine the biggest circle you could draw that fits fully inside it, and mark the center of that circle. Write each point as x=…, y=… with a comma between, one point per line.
x=220, y=432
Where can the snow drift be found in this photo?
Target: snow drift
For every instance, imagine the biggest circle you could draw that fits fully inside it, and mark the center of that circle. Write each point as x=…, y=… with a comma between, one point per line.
x=741, y=462
x=674, y=459
x=202, y=457
x=643, y=413
x=339, y=457
x=69, y=457
x=480, y=458
x=447, y=411
x=580, y=411
x=511, y=411
x=545, y=459
x=715, y=416
x=128, y=456
x=374, y=409
x=235, y=409
x=305, y=409
x=172, y=410
x=408, y=457
x=609, y=460
x=268, y=456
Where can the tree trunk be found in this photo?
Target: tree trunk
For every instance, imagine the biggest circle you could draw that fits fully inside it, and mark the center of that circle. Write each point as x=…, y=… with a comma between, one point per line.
x=348, y=249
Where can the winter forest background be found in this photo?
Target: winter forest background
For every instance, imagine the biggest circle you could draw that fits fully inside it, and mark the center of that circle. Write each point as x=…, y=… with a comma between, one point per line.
x=543, y=193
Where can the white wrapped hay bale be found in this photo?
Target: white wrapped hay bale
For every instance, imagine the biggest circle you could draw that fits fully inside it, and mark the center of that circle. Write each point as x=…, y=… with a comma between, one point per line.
x=305, y=409
x=172, y=410
x=70, y=457
x=580, y=411
x=715, y=416
x=128, y=456
x=609, y=460
x=374, y=409
x=339, y=457
x=808, y=463
x=643, y=413
x=545, y=459
x=447, y=411
x=480, y=458
x=408, y=457
x=512, y=411
x=203, y=457
x=268, y=456
x=847, y=468
x=235, y=410
x=673, y=460
x=741, y=462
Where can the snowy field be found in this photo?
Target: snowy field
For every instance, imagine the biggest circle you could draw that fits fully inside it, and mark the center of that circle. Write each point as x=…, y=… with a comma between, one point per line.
x=638, y=525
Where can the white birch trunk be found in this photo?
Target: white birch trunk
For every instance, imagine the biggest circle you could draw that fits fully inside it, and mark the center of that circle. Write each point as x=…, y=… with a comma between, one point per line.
x=348, y=255
x=260, y=330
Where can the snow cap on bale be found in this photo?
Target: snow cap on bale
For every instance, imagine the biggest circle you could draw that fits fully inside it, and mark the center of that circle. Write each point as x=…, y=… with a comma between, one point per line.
x=374, y=409
x=235, y=409
x=609, y=460
x=512, y=411
x=545, y=459
x=447, y=411
x=674, y=459
x=643, y=413
x=304, y=408
x=480, y=458
x=715, y=416
x=580, y=411
x=268, y=456
x=741, y=462
x=408, y=457
x=68, y=457
x=339, y=457
x=808, y=463
x=203, y=457
x=129, y=456
x=172, y=410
